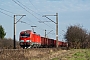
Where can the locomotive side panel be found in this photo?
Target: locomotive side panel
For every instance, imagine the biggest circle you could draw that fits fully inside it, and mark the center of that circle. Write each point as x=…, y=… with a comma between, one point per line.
x=36, y=40
x=39, y=39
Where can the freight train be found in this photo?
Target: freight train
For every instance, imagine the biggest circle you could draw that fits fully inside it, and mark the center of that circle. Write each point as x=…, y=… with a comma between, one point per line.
x=29, y=39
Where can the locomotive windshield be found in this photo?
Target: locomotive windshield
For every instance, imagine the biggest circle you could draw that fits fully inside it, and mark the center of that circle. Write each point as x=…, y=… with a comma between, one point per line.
x=25, y=35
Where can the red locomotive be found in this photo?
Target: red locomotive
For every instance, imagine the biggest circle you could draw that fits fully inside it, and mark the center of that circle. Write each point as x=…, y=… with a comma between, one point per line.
x=29, y=39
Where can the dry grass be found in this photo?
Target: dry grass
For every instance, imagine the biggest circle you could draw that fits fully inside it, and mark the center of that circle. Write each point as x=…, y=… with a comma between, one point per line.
x=26, y=54
x=7, y=43
x=11, y=54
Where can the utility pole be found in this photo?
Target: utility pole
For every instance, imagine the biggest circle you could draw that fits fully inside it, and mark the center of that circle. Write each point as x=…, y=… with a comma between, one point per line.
x=15, y=22
x=56, y=26
x=45, y=33
x=57, y=30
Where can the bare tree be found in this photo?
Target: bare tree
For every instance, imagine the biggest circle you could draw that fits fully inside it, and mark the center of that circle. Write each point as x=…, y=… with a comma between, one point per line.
x=75, y=36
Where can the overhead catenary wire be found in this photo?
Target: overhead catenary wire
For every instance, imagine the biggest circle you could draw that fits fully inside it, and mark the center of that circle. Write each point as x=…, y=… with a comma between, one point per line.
x=13, y=13
x=10, y=12
x=21, y=21
x=16, y=19
x=35, y=24
x=12, y=17
x=37, y=10
x=40, y=29
x=27, y=7
x=33, y=15
x=30, y=13
x=6, y=14
x=6, y=10
x=9, y=15
x=34, y=7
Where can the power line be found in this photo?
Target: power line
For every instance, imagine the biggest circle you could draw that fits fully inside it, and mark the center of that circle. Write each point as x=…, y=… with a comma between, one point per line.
x=6, y=10
x=30, y=13
x=22, y=21
x=12, y=17
x=16, y=19
x=36, y=9
x=35, y=24
x=6, y=14
x=27, y=11
x=27, y=7
x=33, y=6
x=39, y=28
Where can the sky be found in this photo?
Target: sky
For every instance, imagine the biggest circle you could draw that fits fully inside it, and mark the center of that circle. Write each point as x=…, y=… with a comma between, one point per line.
x=70, y=12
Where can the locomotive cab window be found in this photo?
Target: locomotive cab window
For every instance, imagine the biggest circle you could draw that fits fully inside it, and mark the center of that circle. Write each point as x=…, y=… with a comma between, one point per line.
x=25, y=35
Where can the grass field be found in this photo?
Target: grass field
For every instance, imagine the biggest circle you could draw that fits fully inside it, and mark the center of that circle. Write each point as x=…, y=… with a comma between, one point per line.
x=45, y=54
x=75, y=54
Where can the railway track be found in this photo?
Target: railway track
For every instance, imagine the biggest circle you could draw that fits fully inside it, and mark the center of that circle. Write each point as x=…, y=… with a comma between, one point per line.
x=63, y=48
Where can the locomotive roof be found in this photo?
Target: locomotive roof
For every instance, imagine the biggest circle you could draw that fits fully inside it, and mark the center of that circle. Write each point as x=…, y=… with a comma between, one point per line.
x=26, y=31
x=29, y=31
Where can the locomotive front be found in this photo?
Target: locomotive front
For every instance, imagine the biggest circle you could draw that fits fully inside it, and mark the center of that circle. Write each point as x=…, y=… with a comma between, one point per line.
x=24, y=39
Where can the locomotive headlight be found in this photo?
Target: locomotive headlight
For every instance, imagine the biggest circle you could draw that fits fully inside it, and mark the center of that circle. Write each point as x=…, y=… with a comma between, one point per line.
x=28, y=40
x=21, y=40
